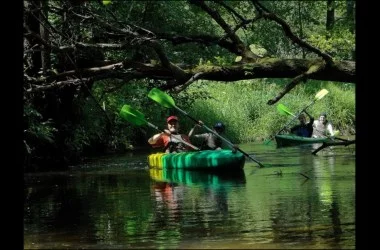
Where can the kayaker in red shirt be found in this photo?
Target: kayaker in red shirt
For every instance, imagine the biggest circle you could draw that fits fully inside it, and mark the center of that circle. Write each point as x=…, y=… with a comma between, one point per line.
x=171, y=141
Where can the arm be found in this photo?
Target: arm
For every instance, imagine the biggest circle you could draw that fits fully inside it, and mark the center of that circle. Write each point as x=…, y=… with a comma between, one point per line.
x=330, y=129
x=310, y=117
x=187, y=139
x=293, y=129
x=153, y=140
x=200, y=123
x=192, y=130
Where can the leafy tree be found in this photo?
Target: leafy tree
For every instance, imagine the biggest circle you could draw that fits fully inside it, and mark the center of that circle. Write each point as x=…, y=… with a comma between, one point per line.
x=78, y=50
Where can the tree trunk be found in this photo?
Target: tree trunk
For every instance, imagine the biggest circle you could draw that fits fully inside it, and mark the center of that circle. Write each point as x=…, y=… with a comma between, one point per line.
x=33, y=25
x=45, y=53
x=301, y=31
x=350, y=5
x=330, y=17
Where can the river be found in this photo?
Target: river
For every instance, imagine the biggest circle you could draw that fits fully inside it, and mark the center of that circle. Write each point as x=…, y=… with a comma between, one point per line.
x=298, y=201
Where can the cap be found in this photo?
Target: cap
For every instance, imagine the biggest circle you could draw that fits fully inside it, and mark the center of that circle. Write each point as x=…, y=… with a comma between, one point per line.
x=173, y=117
x=219, y=125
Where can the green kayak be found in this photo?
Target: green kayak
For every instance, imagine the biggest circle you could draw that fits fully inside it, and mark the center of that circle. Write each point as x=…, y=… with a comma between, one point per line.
x=294, y=140
x=214, y=160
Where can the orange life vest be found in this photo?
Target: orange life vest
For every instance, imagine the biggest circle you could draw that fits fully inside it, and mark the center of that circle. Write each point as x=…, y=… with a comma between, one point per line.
x=172, y=144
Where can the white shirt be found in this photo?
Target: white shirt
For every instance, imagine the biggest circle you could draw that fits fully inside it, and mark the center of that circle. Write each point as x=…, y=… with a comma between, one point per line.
x=322, y=130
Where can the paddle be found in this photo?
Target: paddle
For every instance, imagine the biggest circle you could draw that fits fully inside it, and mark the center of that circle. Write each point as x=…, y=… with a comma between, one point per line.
x=317, y=97
x=167, y=101
x=282, y=109
x=137, y=118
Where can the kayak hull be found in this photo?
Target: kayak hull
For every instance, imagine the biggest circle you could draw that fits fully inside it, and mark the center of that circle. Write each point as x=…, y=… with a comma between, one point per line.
x=294, y=140
x=214, y=160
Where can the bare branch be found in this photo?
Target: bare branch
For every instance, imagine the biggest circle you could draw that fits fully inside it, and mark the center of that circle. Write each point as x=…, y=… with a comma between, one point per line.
x=288, y=32
x=178, y=73
x=242, y=49
x=300, y=78
x=274, y=68
x=242, y=19
x=327, y=144
x=190, y=81
x=53, y=85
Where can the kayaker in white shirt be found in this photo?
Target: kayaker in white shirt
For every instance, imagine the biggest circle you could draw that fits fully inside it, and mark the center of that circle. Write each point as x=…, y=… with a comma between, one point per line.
x=322, y=127
x=209, y=140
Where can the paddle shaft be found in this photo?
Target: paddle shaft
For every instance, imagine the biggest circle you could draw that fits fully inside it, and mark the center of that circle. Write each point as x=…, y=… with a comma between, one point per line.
x=215, y=133
x=292, y=120
x=179, y=137
x=130, y=114
x=333, y=137
x=288, y=112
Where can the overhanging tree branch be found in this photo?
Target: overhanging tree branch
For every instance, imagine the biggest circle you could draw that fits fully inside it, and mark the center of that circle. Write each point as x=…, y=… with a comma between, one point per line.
x=242, y=49
x=288, y=32
x=129, y=36
x=300, y=78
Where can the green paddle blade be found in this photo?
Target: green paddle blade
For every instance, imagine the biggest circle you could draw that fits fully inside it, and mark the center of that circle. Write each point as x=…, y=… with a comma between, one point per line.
x=133, y=116
x=161, y=97
x=321, y=94
x=282, y=109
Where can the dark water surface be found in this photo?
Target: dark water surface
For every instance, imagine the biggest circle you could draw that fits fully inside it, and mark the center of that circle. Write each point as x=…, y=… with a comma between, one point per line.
x=299, y=201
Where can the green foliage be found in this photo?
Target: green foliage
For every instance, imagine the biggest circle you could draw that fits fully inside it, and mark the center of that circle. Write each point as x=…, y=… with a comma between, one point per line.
x=242, y=106
x=341, y=107
x=37, y=130
x=340, y=45
x=120, y=133
x=78, y=140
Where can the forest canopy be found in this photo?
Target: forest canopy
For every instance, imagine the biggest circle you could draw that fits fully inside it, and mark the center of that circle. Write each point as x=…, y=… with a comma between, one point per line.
x=78, y=52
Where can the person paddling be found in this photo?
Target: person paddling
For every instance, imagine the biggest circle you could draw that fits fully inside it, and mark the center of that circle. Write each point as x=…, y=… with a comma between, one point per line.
x=322, y=127
x=304, y=129
x=209, y=140
x=171, y=141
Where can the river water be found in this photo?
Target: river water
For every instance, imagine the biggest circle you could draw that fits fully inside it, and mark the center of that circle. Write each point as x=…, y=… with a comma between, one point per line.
x=298, y=201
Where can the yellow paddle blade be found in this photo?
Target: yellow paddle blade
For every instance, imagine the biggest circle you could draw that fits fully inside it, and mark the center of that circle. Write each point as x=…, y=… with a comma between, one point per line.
x=321, y=94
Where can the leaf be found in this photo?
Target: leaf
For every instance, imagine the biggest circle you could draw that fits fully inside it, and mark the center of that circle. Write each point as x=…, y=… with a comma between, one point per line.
x=258, y=50
x=106, y=2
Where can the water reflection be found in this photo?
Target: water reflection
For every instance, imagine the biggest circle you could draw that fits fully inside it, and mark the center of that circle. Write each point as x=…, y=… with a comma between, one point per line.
x=324, y=172
x=169, y=186
x=123, y=204
x=191, y=178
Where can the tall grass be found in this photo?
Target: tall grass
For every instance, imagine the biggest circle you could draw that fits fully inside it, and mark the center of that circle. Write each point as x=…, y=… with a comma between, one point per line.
x=243, y=107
